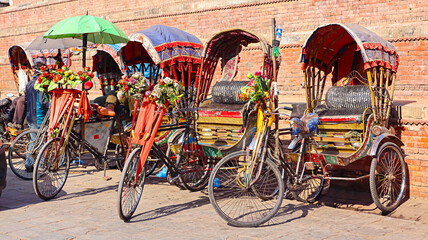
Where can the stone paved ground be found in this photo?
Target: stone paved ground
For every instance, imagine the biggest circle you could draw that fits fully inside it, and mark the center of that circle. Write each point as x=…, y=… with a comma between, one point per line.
x=86, y=209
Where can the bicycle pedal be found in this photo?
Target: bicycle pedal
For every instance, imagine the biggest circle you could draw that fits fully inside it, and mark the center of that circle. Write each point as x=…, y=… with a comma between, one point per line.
x=107, y=178
x=309, y=166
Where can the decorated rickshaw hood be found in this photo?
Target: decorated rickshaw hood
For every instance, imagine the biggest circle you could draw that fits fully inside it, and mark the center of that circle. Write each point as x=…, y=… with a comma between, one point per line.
x=329, y=41
x=46, y=56
x=13, y=50
x=168, y=45
x=110, y=49
x=224, y=41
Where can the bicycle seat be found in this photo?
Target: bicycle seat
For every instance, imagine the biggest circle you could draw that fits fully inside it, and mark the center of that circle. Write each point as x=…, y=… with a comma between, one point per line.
x=306, y=124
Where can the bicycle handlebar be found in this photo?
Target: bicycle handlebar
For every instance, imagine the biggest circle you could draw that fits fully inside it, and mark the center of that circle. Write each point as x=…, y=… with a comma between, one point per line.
x=284, y=107
x=185, y=110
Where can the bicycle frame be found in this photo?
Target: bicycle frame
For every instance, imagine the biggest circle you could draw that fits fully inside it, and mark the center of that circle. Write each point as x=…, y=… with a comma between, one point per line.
x=260, y=144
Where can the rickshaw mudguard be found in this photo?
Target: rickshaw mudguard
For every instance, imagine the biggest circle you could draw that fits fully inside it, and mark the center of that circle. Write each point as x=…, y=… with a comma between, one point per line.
x=384, y=137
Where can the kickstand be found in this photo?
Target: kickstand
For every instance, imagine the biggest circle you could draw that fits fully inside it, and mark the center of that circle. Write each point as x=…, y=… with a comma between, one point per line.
x=106, y=178
x=79, y=161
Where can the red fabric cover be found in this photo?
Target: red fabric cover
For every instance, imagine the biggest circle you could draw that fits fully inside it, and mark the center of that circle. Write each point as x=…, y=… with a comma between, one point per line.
x=84, y=106
x=146, y=128
x=62, y=102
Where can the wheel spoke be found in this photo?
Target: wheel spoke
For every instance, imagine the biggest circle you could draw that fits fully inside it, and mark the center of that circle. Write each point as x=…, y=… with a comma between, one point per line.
x=388, y=178
x=238, y=203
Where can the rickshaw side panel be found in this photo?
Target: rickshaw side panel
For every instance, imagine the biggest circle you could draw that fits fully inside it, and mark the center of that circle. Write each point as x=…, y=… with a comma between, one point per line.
x=97, y=133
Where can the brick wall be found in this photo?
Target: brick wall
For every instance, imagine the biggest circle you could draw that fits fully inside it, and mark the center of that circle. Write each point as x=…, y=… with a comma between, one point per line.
x=404, y=23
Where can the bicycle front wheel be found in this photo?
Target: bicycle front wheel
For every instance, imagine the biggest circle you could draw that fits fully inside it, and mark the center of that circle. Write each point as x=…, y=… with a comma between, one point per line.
x=22, y=153
x=130, y=186
x=51, y=169
x=240, y=199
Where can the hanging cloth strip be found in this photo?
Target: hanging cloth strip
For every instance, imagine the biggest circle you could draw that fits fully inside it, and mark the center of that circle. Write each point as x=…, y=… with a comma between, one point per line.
x=22, y=80
x=84, y=106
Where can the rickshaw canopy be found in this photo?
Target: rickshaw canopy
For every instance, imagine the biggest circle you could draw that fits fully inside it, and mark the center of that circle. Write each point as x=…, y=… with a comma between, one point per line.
x=163, y=45
x=229, y=40
x=110, y=50
x=347, y=42
x=226, y=46
x=18, y=56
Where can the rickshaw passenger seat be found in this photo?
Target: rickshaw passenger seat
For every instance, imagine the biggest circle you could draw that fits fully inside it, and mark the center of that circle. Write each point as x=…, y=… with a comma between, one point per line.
x=220, y=122
x=228, y=92
x=345, y=101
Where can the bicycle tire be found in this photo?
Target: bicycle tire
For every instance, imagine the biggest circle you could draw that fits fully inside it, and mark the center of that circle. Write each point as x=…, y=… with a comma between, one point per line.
x=231, y=191
x=194, y=170
x=18, y=153
x=388, y=177
x=128, y=200
x=45, y=181
x=311, y=186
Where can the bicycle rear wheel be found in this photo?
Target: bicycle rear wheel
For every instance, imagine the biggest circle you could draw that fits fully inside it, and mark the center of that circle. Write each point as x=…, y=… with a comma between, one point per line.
x=51, y=169
x=310, y=187
x=130, y=186
x=194, y=168
x=388, y=178
x=18, y=151
x=308, y=182
x=237, y=201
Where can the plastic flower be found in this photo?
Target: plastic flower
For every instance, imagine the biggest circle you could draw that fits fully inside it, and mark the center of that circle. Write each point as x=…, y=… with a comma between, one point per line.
x=253, y=91
x=132, y=81
x=167, y=90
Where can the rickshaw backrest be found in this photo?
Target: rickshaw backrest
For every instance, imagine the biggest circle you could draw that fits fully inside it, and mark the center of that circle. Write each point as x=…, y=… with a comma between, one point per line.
x=228, y=92
x=348, y=97
x=229, y=65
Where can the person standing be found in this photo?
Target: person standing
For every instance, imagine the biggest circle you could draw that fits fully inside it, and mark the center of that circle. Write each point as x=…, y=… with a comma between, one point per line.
x=37, y=107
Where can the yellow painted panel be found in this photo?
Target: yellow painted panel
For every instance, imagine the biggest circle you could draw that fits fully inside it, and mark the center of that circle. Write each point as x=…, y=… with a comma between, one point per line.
x=344, y=126
x=223, y=120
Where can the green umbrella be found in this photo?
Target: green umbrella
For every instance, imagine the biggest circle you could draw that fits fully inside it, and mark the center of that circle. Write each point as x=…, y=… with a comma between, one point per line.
x=87, y=28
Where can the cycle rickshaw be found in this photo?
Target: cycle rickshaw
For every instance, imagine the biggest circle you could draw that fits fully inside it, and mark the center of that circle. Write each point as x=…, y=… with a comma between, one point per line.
x=21, y=65
x=106, y=64
x=349, y=74
x=22, y=147
x=193, y=154
x=161, y=53
x=158, y=52
x=76, y=126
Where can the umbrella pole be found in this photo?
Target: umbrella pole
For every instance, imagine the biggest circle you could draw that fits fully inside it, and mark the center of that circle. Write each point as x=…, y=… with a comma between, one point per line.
x=82, y=124
x=85, y=44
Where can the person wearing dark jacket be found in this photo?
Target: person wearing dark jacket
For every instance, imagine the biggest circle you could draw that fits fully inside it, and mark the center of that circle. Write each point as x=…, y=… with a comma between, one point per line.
x=37, y=107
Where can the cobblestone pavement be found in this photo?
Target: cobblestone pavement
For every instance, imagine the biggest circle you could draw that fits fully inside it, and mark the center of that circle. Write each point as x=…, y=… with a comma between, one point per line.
x=86, y=209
